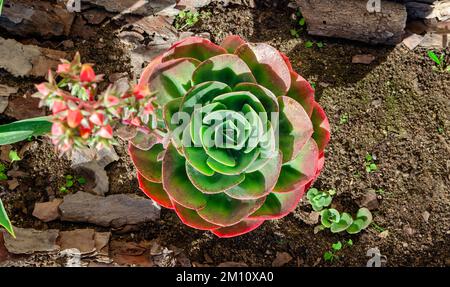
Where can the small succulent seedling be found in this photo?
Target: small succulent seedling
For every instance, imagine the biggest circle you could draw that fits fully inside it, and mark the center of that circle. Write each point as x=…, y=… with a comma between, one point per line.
x=335, y=248
x=70, y=181
x=320, y=199
x=295, y=33
x=370, y=164
x=187, y=18
x=338, y=222
x=300, y=24
x=441, y=65
x=362, y=221
x=440, y=130
x=310, y=44
x=343, y=119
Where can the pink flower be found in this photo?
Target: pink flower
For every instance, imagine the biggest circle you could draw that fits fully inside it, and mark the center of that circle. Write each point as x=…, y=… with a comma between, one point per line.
x=74, y=118
x=43, y=89
x=57, y=129
x=87, y=73
x=63, y=69
x=58, y=106
x=106, y=132
x=141, y=91
x=97, y=119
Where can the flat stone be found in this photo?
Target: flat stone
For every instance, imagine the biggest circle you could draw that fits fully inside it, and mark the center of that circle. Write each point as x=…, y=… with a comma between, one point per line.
x=130, y=253
x=95, y=16
x=28, y=241
x=434, y=40
x=281, y=259
x=232, y=264
x=412, y=41
x=30, y=18
x=426, y=216
x=5, y=92
x=24, y=107
x=47, y=211
x=102, y=242
x=310, y=218
x=80, y=239
x=189, y=4
x=138, y=7
x=27, y=60
x=116, y=211
x=363, y=59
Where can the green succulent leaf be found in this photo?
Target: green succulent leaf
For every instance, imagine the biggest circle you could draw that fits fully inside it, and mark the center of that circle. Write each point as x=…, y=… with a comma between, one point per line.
x=176, y=182
x=295, y=128
x=344, y=222
x=300, y=170
x=362, y=221
x=172, y=79
x=215, y=183
x=329, y=217
x=146, y=161
x=227, y=68
x=225, y=211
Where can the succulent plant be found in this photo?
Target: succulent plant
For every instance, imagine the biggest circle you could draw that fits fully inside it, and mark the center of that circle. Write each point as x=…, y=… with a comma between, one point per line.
x=246, y=136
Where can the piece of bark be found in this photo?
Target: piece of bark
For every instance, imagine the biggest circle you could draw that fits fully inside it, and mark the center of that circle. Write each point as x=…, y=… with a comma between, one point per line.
x=351, y=19
x=29, y=18
x=5, y=92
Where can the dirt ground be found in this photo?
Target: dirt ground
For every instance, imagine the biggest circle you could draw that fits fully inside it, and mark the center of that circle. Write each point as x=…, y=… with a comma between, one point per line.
x=397, y=108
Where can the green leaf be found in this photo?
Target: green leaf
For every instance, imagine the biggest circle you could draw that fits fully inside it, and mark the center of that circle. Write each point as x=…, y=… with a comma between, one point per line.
x=21, y=130
x=328, y=256
x=329, y=216
x=309, y=44
x=344, y=222
x=3, y=176
x=312, y=192
x=434, y=57
x=13, y=156
x=350, y=242
x=1, y=6
x=369, y=157
x=319, y=44
x=337, y=246
x=362, y=221
x=302, y=22
x=81, y=180
x=69, y=183
x=4, y=220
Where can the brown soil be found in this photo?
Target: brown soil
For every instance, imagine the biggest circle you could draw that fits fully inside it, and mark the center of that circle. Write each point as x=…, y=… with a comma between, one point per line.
x=397, y=110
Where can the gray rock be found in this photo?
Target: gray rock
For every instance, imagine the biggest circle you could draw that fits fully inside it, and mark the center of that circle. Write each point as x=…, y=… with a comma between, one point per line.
x=95, y=162
x=369, y=200
x=5, y=92
x=138, y=7
x=47, y=211
x=27, y=60
x=116, y=211
x=28, y=241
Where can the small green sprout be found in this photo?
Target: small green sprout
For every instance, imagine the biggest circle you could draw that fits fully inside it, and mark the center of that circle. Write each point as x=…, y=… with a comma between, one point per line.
x=338, y=222
x=440, y=130
x=329, y=217
x=329, y=256
x=343, y=119
x=302, y=21
x=335, y=248
x=3, y=169
x=370, y=164
x=377, y=227
x=320, y=199
x=313, y=84
x=319, y=44
x=187, y=18
x=295, y=33
x=309, y=44
x=70, y=181
x=13, y=156
x=81, y=180
x=441, y=65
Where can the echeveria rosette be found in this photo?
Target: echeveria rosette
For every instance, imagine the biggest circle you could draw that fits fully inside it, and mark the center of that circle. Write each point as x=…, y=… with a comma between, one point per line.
x=231, y=189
